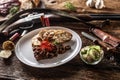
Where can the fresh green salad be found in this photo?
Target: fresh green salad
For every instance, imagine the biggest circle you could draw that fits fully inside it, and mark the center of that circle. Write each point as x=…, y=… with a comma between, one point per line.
x=91, y=54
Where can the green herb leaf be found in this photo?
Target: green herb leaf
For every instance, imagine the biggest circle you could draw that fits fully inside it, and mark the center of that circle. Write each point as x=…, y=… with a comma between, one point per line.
x=70, y=6
x=14, y=10
x=55, y=43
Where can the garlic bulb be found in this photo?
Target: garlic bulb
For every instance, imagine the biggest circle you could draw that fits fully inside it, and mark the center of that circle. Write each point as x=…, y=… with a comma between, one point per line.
x=90, y=3
x=99, y=4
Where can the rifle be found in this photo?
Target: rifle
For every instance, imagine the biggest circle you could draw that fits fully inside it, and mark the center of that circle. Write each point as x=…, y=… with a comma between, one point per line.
x=54, y=16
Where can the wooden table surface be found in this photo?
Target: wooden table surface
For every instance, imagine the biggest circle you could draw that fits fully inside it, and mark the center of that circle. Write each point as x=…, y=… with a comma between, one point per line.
x=75, y=69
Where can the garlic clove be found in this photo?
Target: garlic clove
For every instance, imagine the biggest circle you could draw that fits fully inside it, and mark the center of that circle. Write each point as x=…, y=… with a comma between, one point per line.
x=90, y=3
x=99, y=4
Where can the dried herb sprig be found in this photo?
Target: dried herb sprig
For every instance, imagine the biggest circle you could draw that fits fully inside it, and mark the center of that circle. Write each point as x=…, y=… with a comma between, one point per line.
x=70, y=6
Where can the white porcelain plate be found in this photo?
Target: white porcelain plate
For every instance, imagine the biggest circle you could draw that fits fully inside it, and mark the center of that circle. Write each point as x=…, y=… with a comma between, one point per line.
x=25, y=54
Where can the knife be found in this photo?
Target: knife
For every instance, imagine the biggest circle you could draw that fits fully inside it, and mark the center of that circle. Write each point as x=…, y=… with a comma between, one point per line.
x=97, y=41
x=107, y=38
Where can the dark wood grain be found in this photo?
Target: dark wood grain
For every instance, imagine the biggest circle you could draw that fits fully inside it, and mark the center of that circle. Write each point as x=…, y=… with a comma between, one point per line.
x=75, y=69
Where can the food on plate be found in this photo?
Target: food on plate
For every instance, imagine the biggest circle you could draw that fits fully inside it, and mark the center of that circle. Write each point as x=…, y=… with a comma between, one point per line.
x=49, y=43
x=58, y=36
x=91, y=54
x=13, y=6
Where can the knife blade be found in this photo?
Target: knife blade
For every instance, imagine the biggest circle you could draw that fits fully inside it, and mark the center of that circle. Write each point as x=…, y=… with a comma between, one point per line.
x=89, y=36
x=97, y=41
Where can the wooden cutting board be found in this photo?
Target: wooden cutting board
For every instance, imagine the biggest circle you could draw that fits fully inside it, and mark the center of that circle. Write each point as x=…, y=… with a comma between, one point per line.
x=112, y=6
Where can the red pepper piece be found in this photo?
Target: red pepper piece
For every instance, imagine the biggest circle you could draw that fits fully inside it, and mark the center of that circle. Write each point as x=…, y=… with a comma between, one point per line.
x=46, y=45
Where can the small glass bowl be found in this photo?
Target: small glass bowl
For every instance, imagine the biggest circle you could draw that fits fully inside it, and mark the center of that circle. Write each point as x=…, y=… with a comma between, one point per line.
x=92, y=63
